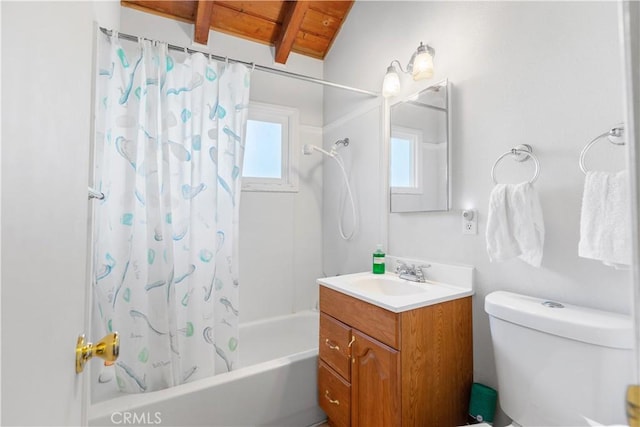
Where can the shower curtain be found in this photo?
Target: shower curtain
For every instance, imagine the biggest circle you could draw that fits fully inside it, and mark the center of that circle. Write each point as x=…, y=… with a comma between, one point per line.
x=170, y=143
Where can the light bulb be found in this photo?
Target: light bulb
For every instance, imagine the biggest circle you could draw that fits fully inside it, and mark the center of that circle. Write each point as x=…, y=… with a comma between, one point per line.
x=422, y=66
x=422, y=63
x=391, y=82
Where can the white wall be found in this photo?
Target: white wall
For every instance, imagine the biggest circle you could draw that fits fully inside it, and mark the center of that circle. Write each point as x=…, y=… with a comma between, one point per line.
x=543, y=73
x=280, y=233
x=361, y=158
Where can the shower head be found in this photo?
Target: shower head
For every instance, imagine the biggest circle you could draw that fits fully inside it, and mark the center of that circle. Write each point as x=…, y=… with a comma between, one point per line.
x=310, y=148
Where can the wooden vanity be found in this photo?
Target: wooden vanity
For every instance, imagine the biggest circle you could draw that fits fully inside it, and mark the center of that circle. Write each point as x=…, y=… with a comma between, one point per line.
x=382, y=368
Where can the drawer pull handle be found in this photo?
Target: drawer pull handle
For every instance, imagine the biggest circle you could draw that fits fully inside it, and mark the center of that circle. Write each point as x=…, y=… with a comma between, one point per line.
x=331, y=346
x=333, y=402
x=353, y=339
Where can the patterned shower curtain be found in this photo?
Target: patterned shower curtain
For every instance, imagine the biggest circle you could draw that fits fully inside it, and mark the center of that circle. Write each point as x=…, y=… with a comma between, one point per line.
x=168, y=159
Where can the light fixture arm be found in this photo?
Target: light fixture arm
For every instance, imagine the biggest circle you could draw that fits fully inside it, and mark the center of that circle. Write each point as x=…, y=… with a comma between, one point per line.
x=399, y=66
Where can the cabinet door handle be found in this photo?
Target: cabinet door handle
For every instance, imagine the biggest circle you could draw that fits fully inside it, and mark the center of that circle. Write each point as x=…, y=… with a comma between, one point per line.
x=331, y=346
x=333, y=402
x=353, y=339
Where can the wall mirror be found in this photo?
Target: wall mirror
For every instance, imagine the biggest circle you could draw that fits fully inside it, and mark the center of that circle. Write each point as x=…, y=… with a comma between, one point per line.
x=419, y=151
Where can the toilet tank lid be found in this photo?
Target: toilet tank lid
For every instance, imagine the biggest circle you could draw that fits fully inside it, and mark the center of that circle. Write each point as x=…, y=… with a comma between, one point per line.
x=584, y=324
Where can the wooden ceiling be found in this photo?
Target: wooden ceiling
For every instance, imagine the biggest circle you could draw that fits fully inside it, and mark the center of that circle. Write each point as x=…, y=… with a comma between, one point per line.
x=305, y=27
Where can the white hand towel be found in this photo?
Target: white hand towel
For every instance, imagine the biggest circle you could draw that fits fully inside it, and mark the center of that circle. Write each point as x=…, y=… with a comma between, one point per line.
x=605, y=220
x=515, y=226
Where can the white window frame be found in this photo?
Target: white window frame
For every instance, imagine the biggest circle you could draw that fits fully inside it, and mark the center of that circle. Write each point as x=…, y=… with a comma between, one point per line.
x=415, y=136
x=288, y=117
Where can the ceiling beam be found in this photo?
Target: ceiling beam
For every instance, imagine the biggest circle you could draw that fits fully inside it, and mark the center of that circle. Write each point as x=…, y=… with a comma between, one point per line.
x=290, y=27
x=202, y=23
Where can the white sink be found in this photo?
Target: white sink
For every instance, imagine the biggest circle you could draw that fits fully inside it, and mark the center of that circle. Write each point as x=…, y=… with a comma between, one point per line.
x=388, y=285
x=392, y=293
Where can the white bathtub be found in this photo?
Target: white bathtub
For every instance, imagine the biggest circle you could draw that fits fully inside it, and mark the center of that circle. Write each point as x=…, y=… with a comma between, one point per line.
x=275, y=385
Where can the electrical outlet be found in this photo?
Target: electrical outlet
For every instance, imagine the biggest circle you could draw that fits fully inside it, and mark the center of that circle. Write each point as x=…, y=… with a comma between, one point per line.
x=469, y=222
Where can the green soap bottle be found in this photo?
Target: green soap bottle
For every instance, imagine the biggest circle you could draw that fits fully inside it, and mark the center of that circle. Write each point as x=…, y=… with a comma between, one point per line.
x=378, y=260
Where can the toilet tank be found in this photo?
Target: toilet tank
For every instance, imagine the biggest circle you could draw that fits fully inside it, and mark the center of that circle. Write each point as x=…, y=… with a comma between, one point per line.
x=560, y=364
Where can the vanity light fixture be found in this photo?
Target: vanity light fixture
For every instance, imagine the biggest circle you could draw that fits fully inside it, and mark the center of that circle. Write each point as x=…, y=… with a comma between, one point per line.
x=420, y=67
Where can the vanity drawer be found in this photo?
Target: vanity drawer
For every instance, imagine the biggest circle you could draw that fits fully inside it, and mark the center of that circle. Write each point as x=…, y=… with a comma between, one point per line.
x=381, y=324
x=334, y=395
x=334, y=345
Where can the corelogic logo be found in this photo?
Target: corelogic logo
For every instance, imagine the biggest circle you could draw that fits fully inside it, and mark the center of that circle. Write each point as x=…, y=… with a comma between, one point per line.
x=136, y=418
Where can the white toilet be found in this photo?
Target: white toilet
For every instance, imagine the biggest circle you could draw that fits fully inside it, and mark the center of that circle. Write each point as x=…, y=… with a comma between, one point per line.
x=558, y=364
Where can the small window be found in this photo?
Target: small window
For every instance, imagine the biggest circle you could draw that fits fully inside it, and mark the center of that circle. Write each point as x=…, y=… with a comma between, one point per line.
x=269, y=152
x=405, y=155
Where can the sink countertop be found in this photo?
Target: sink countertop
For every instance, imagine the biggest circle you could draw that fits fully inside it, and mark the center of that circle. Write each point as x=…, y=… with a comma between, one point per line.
x=412, y=295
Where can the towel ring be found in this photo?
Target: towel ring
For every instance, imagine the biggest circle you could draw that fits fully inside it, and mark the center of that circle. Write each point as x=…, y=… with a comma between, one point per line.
x=615, y=136
x=520, y=153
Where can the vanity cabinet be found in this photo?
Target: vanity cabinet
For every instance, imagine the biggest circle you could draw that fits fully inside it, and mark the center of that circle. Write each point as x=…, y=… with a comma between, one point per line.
x=380, y=368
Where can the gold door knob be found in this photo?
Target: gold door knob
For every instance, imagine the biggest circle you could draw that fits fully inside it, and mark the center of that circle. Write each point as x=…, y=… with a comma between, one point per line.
x=107, y=348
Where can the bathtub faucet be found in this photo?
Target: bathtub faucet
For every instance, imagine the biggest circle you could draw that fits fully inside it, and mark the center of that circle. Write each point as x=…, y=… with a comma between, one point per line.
x=413, y=273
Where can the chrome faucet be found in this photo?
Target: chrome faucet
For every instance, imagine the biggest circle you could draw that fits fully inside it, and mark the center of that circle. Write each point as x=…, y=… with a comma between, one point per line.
x=412, y=273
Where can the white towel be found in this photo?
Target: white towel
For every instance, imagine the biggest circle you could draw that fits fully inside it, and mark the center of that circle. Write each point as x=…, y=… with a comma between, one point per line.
x=515, y=226
x=605, y=221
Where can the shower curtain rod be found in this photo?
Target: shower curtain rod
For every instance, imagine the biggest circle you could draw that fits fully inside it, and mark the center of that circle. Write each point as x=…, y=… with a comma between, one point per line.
x=132, y=38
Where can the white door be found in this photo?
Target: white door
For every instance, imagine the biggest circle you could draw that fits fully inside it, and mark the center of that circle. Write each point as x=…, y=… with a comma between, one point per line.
x=630, y=17
x=47, y=62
